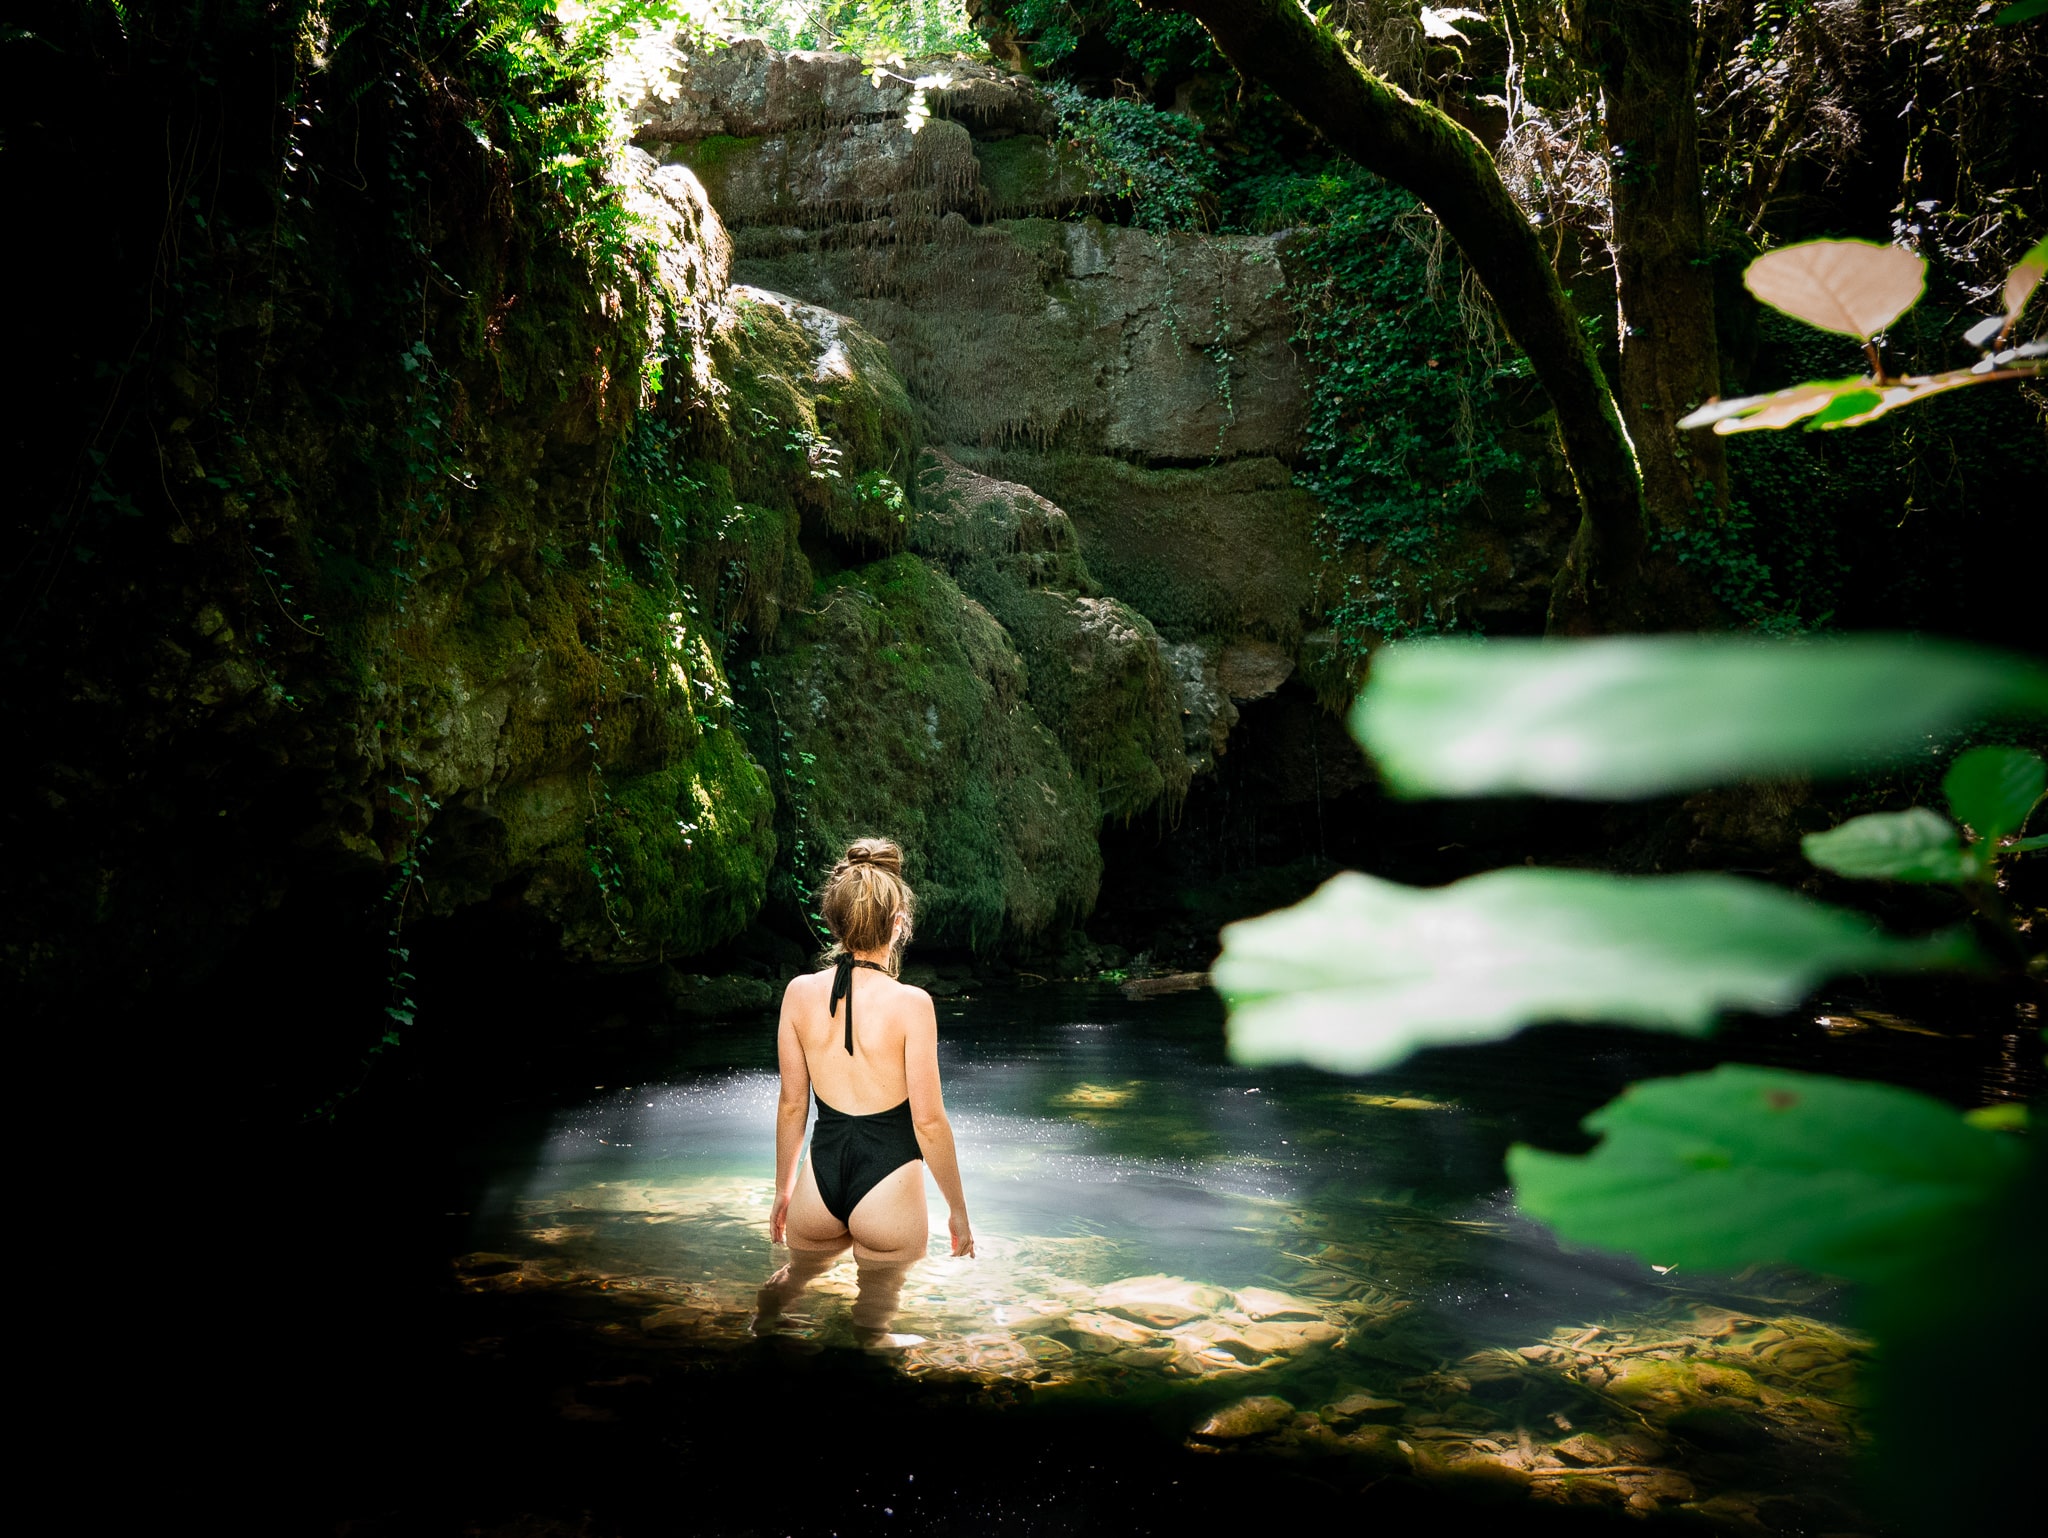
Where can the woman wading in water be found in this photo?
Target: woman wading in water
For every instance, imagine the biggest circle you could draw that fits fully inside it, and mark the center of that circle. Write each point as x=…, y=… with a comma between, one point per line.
x=881, y=1119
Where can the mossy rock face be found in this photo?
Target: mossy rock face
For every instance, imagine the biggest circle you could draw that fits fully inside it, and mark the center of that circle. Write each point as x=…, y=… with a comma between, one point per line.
x=1027, y=175
x=749, y=88
x=812, y=139
x=1097, y=671
x=879, y=169
x=814, y=419
x=456, y=677
x=691, y=844
x=1224, y=550
x=1650, y=1383
x=899, y=707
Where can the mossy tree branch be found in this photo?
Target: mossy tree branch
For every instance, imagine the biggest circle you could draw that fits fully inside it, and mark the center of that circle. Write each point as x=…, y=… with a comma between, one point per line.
x=1417, y=147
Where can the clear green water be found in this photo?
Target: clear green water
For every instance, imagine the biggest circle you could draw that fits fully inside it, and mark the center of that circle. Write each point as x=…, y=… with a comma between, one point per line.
x=1154, y=1220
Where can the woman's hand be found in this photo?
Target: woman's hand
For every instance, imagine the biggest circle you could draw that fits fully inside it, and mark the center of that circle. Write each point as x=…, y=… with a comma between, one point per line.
x=778, y=1221
x=963, y=1236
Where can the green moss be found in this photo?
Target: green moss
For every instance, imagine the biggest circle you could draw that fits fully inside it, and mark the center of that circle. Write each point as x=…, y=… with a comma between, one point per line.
x=695, y=842
x=1095, y=667
x=815, y=419
x=710, y=153
x=900, y=707
x=1028, y=175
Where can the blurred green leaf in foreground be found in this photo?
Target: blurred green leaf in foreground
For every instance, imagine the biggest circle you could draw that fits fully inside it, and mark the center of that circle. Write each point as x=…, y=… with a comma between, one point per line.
x=1644, y=715
x=1366, y=971
x=1741, y=1166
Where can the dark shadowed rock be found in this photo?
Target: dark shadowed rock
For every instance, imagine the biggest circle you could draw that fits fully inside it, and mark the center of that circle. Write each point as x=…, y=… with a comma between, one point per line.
x=696, y=999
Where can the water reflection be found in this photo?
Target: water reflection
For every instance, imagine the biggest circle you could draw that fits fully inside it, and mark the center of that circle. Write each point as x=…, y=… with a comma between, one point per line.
x=878, y=1293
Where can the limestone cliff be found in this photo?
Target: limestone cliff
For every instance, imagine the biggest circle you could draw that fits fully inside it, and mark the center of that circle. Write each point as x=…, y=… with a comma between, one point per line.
x=1139, y=388
x=1143, y=383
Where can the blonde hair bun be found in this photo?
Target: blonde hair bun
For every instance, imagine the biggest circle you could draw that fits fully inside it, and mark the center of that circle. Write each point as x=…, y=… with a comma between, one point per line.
x=865, y=895
x=878, y=852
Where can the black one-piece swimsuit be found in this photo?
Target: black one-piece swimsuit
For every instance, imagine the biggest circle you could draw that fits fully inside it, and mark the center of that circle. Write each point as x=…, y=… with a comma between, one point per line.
x=851, y=1155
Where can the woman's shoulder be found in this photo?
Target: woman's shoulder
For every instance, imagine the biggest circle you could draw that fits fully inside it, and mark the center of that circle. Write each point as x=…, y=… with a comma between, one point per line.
x=910, y=996
x=806, y=983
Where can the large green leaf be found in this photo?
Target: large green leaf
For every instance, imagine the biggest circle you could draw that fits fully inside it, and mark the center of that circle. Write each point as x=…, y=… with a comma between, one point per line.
x=1365, y=971
x=1993, y=789
x=1642, y=715
x=1914, y=845
x=1746, y=1166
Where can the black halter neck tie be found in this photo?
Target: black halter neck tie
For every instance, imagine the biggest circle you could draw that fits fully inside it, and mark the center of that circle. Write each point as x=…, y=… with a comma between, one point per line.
x=842, y=988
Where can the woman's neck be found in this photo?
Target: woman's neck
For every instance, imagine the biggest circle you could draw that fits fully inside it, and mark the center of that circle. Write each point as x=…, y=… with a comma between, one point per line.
x=878, y=957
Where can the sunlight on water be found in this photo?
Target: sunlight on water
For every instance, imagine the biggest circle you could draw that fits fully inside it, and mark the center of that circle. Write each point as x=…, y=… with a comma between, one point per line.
x=1151, y=1219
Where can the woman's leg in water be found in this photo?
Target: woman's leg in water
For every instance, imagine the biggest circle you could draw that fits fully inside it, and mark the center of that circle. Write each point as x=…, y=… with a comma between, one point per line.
x=816, y=1241
x=889, y=1228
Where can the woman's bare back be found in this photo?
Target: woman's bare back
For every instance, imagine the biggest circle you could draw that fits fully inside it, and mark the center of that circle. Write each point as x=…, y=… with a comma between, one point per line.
x=874, y=1077
x=888, y=1086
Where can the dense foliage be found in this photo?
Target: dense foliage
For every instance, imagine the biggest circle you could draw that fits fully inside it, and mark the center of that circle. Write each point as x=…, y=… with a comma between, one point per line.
x=344, y=423
x=1411, y=405
x=901, y=30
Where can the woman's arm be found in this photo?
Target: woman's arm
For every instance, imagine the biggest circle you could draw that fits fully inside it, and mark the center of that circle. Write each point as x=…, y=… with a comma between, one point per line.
x=928, y=1113
x=792, y=1108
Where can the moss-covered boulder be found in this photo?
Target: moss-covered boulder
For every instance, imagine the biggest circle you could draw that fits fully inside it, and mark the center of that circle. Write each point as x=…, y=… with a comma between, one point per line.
x=811, y=418
x=543, y=687
x=1096, y=669
x=899, y=706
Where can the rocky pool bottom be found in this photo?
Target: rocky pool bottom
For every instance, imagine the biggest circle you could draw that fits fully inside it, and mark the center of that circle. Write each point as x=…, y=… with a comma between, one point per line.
x=1740, y=1419
x=1205, y=1296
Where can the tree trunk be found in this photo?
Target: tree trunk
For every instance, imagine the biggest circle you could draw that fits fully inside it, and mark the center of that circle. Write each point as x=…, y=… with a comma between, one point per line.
x=1417, y=147
x=1642, y=51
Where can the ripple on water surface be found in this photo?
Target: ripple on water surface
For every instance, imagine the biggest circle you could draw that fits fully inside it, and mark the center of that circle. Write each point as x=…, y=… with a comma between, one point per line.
x=1314, y=1265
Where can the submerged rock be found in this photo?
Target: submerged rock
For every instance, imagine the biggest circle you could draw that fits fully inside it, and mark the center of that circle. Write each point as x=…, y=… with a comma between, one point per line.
x=1262, y=1303
x=1720, y=1427
x=1650, y=1381
x=1380, y=1449
x=1109, y=1333
x=1166, y=983
x=1285, y=1338
x=1161, y=1301
x=1586, y=1448
x=1481, y=1480
x=1362, y=1407
x=1255, y=1416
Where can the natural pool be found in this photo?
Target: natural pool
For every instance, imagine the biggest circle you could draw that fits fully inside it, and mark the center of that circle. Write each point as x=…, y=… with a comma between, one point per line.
x=1286, y=1265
